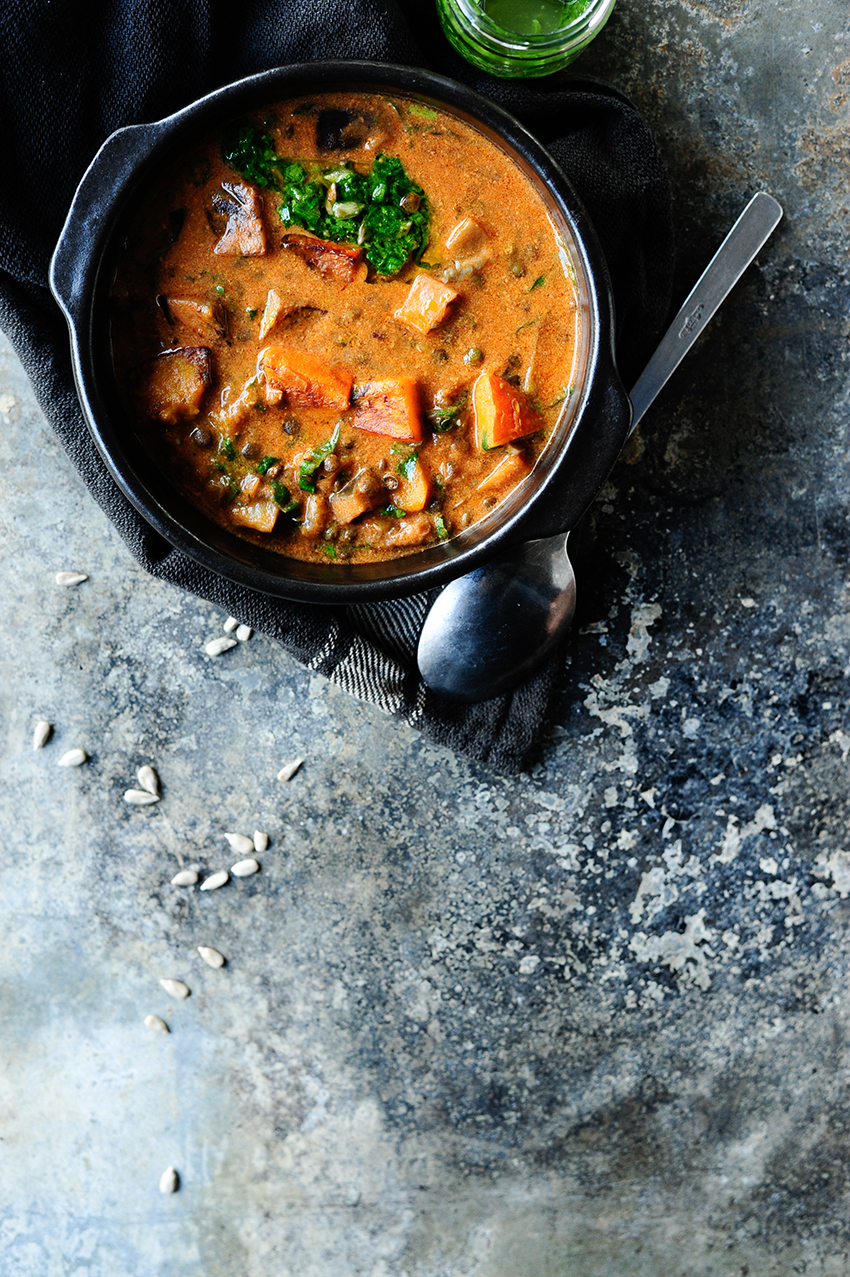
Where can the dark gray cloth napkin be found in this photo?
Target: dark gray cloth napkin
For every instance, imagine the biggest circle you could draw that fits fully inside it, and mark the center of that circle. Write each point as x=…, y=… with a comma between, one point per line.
x=74, y=70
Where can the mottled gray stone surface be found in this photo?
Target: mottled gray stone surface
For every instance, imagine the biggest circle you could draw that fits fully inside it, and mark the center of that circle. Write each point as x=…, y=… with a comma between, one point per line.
x=585, y=1022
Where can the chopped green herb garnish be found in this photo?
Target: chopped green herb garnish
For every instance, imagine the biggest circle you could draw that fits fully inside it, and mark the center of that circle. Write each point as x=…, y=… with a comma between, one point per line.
x=425, y=112
x=380, y=209
x=330, y=550
x=443, y=419
x=566, y=391
x=266, y=464
x=225, y=445
x=314, y=459
x=407, y=467
x=541, y=279
x=394, y=511
x=252, y=312
x=527, y=324
x=219, y=290
x=440, y=525
x=282, y=497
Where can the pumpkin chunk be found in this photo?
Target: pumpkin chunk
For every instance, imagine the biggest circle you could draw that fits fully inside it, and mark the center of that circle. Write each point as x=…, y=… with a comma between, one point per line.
x=426, y=304
x=389, y=408
x=338, y=261
x=414, y=488
x=502, y=414
x=305, y=379
x=177, y=383
x=509, y=470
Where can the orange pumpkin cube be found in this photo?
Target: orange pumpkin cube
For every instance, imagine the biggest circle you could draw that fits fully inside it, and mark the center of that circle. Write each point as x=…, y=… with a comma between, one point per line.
x=502, y=413
x=390, y=408
x=306, y=380
x=426, y=304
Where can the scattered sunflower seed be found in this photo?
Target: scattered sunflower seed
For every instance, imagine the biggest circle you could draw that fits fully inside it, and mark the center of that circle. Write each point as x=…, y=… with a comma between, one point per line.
x=219, y=645
x=70, y=578
x=211, y=957
x=73, y=758
x=230, y=625
x=261, y=840
x=148, y=779
x=244, y=633
x=140, y=797
x=175, y=988
x=41, y=735
x=241, y=843
x=154, y=1022
x=215, y=880
x=185, y=878
x=244, y=868
x=289, y=769
x=169, y=1181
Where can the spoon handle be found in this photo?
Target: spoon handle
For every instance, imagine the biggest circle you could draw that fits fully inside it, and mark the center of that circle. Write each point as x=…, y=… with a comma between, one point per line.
x=751, y=231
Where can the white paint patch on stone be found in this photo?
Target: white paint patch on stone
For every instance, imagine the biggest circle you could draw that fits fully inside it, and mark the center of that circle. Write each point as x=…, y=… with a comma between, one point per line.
x=680, y=951
x=834, y=865
x=644, y=615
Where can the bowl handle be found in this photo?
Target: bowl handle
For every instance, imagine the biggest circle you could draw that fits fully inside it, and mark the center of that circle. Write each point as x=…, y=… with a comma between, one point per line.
x=91, y=208
x=591, y=455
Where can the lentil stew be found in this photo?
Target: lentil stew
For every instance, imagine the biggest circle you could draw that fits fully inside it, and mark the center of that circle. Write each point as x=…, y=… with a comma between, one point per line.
x=346, y=327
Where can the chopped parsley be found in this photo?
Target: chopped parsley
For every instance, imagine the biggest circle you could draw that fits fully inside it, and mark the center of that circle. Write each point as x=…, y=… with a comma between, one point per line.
x=280, y=492
x=541, y=279
x=407, y=467
x=225, y=445
x=380, y=209
x=443, y=419
x=314, y=459
x=330, y=550
x=394, y=511
x=440, y=526
x=266, y=464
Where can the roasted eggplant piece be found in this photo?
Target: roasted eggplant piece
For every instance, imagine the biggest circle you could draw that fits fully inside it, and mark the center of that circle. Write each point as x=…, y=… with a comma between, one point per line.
x=238, y=208
x=339, y=261
x=364, y=492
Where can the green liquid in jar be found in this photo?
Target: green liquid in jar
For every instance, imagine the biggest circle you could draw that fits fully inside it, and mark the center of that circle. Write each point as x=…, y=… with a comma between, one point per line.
x=533, y=17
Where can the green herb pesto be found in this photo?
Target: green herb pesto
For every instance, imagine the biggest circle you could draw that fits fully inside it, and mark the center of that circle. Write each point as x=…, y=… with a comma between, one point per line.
x=380, y=209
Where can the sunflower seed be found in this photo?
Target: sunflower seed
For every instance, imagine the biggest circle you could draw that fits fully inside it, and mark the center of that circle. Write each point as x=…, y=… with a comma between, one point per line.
x=70, y=578
x=185, y=878
x=244, y=868
x=169, y=1181
x=241, y=843
x=175, y=988
x=155, y=1023
x=289, y=769
x=148, y=779
x=140, y=797
x=230, y=625
x=73, y=758
x=215, y=880
x=41, y=735
x=211, y=957
x=261, y=840
x=244, y=633
x=219, y=645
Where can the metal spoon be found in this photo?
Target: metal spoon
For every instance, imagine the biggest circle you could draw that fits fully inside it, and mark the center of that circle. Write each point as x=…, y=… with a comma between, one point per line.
x=488, y=630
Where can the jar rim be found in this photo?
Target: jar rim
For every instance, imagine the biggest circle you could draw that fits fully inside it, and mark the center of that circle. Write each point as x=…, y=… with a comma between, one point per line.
x=580, y=30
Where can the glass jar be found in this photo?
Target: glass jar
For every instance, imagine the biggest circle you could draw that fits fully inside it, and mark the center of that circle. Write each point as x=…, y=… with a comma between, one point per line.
x=517, y=38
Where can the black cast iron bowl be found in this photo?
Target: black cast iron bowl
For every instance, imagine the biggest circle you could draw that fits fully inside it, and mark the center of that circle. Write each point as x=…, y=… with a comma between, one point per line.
x=584, y=445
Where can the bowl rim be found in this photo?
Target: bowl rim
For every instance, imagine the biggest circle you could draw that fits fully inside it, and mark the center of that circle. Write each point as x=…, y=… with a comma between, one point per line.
x=80, y=278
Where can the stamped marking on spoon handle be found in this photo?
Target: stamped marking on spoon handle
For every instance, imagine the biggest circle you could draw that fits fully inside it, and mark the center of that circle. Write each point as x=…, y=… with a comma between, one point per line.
x=749, y=234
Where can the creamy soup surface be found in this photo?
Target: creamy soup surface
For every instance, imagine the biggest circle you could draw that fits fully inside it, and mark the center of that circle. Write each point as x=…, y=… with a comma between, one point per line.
x=345, y=327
